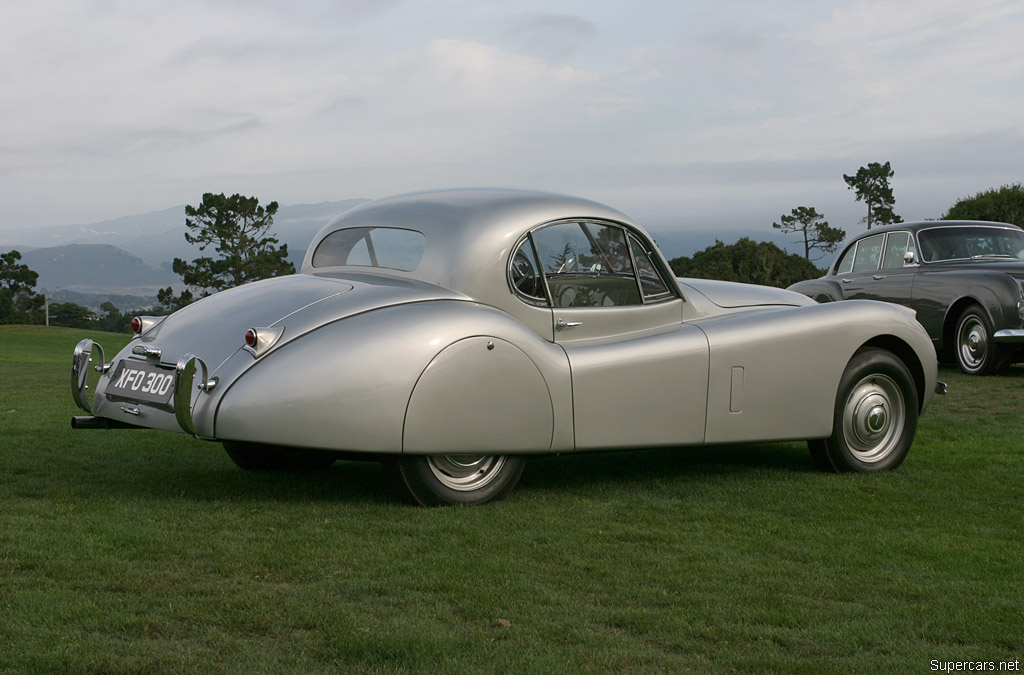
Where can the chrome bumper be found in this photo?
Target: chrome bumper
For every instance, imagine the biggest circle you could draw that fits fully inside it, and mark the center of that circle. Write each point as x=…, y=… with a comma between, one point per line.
x=186, y=390
x=1009, y=335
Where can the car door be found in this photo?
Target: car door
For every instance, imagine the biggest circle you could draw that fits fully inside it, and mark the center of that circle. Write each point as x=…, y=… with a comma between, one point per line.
x=876, y=268
x=894, y=280
x=859, y=265
x=639, y=376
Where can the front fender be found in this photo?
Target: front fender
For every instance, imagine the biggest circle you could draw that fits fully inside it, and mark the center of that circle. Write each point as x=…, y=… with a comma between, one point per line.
x=998, y=293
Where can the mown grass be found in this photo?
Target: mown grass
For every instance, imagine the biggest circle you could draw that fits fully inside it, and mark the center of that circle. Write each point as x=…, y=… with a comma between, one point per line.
x=139, y=551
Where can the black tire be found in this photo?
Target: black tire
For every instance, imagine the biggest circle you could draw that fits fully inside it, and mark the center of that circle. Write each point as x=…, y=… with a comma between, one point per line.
x=259, y=457
x=974, y=346
x=438, y=480
x=875, y=416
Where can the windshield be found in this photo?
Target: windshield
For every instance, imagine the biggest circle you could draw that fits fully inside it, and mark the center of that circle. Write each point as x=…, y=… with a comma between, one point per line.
x=971, y=241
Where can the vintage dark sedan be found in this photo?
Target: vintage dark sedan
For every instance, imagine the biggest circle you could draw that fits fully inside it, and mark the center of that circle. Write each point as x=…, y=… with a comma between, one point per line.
x=451, y=334
x=965, y=280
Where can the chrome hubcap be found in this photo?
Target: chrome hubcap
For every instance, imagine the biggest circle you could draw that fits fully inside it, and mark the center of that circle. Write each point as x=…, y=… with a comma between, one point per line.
x=465, y=472
x=972, y=344
x=873, y=418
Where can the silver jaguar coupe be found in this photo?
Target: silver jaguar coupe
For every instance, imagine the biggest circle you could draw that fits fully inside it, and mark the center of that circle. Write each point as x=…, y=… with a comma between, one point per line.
x=451, y=335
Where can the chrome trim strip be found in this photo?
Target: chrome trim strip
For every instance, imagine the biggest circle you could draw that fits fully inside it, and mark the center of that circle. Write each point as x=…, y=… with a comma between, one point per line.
x=1009, y=335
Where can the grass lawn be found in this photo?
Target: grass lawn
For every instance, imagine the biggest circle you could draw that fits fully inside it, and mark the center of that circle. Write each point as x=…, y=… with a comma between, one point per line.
x=140, y=551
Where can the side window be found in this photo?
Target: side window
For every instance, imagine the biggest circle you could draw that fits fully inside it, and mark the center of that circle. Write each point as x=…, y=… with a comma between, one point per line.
x=651, y=284
x=389, y=247
x=587, y=265
x=845, y=264
x=524, y=274
x=869, y=253
x=897, y=245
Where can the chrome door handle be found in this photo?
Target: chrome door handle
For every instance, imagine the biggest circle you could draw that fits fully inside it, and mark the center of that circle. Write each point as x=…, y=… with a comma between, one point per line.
x=876, y=277
x=846, y=281
x=563, y=325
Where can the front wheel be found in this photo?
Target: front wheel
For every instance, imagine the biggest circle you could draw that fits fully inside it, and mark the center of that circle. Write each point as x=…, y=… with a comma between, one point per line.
x=435, y=480
x=259, y=457
x=976, y=350
x=875, y=416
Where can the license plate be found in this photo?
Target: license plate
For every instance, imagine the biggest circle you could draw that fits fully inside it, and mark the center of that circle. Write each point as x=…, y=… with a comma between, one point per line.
x=141, y=381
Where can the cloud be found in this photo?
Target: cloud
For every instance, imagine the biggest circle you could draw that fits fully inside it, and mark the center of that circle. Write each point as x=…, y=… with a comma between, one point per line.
x=550, y=37
x=131, y=106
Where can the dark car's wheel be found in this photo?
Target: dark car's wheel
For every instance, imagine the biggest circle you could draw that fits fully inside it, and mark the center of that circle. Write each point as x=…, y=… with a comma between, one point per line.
x=976, y=350
x=434, y=480
x=259, y=457
x=875, y=416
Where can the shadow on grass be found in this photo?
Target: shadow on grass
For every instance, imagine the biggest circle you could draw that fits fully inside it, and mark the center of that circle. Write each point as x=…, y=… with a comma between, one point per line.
x=684, y=463
x=188, y=470
x=202, y=473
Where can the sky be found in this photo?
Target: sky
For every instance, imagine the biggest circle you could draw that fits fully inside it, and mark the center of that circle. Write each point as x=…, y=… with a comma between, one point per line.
x=684, y=114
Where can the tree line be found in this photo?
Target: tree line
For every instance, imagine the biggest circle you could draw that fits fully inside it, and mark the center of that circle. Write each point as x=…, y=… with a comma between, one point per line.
x=767, y=264
x=238, y=230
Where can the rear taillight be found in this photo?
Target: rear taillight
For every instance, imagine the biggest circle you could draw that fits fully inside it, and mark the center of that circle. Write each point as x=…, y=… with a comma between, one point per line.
x=143, y=324
x=258, y=341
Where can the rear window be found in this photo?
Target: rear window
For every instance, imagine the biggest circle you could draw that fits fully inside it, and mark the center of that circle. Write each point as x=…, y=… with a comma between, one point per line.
x=389, y=247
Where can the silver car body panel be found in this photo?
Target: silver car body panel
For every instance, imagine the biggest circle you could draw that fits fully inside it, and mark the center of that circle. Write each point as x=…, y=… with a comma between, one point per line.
x=447, y=359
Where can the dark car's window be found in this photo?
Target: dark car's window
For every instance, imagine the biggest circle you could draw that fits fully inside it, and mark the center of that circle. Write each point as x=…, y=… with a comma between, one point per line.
x=587, y=265
x=845, y=263
x=869, y=252
x=897, y=245
x=971, y=241
x=651, y=284
x=389, y=247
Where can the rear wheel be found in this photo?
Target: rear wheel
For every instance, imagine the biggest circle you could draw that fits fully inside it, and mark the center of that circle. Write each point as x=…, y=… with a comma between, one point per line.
x=259, y=457
x=435, y=480
x=875, y=416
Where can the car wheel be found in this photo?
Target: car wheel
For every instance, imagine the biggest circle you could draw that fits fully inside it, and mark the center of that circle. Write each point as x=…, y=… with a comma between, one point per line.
x=976, y=351
x=259, y=457
x=875, y=416
x=435, y=480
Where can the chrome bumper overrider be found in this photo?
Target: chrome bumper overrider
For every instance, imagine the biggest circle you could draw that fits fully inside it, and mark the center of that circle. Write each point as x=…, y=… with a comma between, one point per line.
x=184, y=398
x=80, y=372
x=184, y=378
x=1009, y=335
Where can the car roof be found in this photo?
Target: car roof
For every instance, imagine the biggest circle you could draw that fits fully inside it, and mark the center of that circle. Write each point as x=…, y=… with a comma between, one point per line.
x=469, y=232
x=917, y=225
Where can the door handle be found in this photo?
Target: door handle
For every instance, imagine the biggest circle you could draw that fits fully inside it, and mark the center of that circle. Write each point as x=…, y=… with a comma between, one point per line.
x=564, y=325
x=846, y=281
x=876, y=277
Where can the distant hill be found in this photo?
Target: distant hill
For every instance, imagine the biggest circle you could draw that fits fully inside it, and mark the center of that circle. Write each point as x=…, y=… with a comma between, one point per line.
x=96, y=268
x=159, y=236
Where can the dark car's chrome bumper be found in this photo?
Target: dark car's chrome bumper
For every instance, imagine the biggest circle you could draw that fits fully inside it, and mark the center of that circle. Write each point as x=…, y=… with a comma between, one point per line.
x=1009, y=335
